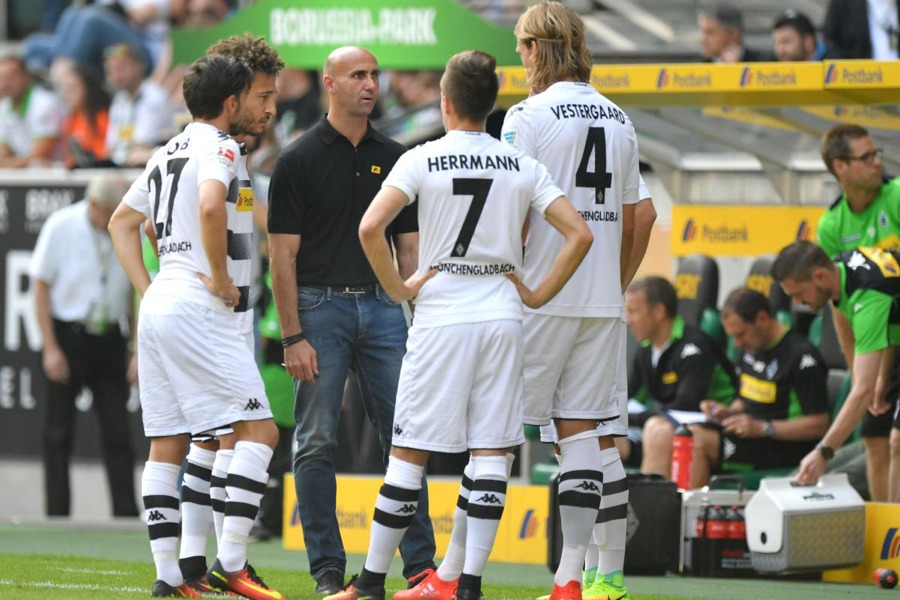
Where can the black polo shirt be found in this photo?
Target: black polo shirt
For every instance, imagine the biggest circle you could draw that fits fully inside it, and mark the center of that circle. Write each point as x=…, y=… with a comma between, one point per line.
x=320, y=188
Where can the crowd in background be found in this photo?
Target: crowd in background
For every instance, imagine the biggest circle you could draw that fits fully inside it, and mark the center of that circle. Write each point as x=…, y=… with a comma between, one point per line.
x=99, y=89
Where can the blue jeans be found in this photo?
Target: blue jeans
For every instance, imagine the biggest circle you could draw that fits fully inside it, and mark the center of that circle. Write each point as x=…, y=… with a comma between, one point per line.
x=367, y=332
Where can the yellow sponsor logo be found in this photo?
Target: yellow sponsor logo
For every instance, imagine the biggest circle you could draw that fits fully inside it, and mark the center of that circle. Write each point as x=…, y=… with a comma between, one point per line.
x=686, y=285
x=885, y=261
x=670, y=378
x=245, y=200
x=740, y=230
x=757, y=390
x=376, y=169
x=891, y=242
x=760, y=283
x=611, y=79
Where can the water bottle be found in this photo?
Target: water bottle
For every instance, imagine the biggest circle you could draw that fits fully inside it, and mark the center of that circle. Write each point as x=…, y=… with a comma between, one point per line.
x=682, y=457
x=737, y=527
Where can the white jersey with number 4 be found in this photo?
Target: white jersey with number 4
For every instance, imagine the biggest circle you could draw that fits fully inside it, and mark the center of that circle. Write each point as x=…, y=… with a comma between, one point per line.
x=168, y=193
x=589, y=146
x=474, y=193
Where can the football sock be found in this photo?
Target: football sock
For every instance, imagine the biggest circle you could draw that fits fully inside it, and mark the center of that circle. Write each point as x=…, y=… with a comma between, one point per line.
x=196, y=507
x=485, y=507
x=395, y=508
x=580, y=488
x=159, y=490
x=217, y=489
x=244, y=487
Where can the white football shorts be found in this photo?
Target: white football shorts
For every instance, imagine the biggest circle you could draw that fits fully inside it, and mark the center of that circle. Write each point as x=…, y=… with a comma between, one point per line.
x=461, y=388
x=197, y=373
x=570, y=367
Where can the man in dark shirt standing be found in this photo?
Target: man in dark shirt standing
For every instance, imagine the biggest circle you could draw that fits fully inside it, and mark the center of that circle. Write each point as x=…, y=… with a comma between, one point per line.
x=333, y=313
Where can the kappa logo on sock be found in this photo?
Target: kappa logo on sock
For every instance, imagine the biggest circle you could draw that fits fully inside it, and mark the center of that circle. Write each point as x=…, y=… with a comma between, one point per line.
x=489, y=499
x=155, y=515
x=588, y=486
x=407, y=509
x=253, y=404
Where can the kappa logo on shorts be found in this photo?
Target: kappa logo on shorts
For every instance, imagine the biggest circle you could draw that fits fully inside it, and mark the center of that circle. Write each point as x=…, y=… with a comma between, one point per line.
x=407, y=509
x=489, y=499
x=154, y=516
x=397, y=430
x=253, y=404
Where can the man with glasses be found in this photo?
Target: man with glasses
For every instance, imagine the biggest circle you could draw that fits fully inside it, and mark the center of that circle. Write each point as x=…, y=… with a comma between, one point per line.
x=866, y=214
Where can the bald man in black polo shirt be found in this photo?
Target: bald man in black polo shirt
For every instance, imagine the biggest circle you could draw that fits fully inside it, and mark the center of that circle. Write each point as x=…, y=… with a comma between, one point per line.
x=333, y=313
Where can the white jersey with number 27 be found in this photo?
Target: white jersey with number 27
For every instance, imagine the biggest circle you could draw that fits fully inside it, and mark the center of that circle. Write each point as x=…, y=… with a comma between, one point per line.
x=167, y=193
x=474, y=193
x=589, y=146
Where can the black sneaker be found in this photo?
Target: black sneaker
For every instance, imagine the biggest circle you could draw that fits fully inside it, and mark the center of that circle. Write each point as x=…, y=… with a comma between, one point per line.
x=353, y=592
x=330, y=581
x=161, y=589
x=468, y=594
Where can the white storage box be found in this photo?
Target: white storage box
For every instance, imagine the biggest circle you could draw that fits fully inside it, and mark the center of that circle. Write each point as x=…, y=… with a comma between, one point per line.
x=792, y=527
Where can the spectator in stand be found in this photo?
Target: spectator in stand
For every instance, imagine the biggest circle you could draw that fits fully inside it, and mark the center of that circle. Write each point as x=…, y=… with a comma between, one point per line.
x=84, y=129
x=140, y=117
x=781, y=409
x=861, y=29
x=85, y=32
x=83, y=301
x=722, y=36
x=867, y=213
x=794, y=37
x=30, y=117
x=676, y=367
x=299, y=104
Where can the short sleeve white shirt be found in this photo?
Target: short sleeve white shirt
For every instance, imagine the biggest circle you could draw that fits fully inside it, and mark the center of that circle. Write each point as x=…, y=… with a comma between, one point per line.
x=589, y=146
x=79, y=264
x=144, y=119
x=39, y=117
x=474, y=194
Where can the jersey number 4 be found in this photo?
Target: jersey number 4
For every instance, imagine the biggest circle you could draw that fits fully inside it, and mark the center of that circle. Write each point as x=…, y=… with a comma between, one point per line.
x=173, y=167
x=478, y=189
x=599, y=179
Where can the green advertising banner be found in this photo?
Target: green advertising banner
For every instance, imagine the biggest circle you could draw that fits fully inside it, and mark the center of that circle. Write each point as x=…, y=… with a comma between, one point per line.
x=403, y=34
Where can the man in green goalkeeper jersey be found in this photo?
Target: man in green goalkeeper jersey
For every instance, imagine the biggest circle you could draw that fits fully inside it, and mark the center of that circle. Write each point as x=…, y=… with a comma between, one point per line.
x=863, y=285
x=866, y=214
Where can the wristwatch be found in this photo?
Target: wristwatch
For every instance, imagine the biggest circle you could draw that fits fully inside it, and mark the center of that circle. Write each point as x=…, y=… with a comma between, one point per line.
x=827, y=452
x=768, y=429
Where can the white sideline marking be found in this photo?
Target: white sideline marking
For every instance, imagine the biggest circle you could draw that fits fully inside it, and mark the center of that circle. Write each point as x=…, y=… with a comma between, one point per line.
x=73, y=586
x=91, y=571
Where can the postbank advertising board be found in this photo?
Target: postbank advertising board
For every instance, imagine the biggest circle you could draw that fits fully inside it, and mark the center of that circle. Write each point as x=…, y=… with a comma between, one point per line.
x=740, y=230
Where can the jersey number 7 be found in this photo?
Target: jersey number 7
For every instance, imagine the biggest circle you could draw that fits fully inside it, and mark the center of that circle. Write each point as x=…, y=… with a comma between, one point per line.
x=599, y=179
x=479, y=190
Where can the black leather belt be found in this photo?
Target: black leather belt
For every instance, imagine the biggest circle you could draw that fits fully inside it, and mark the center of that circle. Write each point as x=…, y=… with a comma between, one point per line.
x=363, y=290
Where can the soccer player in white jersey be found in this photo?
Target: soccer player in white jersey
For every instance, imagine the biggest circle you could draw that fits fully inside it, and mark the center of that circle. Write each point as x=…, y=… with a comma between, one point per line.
x=196, y=369
x=203, y=487
x=573, y=343
x=461, y=381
